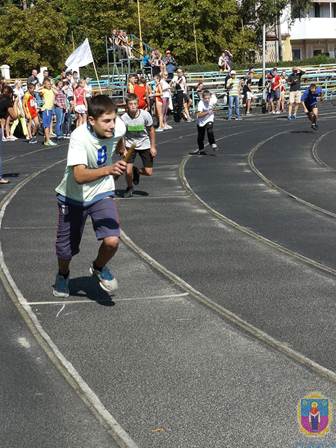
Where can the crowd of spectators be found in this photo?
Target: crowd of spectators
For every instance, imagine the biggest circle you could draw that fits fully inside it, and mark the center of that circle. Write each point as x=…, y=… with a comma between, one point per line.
x=45, y=103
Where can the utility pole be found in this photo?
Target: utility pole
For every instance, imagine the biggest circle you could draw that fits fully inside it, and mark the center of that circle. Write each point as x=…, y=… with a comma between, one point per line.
x=195, y=39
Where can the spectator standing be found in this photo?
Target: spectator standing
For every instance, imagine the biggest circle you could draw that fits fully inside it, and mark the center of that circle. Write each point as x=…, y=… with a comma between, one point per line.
x=31, y=113
x=283, y=83
x=60, y=109
x=275, y=91
x=247, y=92
x=48, y=97
x=141, y=91
x=234, y=87
x=166, y=99
x=132, y=80
x=156, y=62
x=170, y=65
x=19, y=93
x=8, y=108
x=88, y=88
x=80, y=104
x=159, y=103
x=7, y=103
x=33, y=79
x=294, y=81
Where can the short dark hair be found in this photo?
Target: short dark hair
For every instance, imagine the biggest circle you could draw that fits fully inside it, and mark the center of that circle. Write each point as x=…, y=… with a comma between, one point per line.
x=312, y=85
x=99, y=105
x=30, y=84
x=206, y=92
x=131, y=97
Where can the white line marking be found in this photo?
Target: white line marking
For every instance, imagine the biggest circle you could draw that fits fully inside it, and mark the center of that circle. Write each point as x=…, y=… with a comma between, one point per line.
x=24, y=342
x=68, y=370
x=127, y=299
x=62, y=308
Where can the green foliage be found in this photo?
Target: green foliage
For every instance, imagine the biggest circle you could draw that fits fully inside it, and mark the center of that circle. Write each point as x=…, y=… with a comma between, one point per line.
x=27, y=39
x=46, y=33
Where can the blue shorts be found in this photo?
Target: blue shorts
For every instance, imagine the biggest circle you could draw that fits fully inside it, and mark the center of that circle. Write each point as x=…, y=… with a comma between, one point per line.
x=275, y=95
x=71, y=221
x=311, y=106
x=47, y=118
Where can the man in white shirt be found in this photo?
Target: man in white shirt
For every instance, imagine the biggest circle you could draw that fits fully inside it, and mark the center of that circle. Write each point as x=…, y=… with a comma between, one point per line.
x=87, y=188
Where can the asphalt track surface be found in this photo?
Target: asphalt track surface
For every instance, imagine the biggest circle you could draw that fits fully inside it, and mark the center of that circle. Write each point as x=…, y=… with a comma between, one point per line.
x=225, y=315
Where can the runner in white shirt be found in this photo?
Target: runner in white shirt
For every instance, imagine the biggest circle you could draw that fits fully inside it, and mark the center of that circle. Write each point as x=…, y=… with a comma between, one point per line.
x=87, y=188
x=205, y=120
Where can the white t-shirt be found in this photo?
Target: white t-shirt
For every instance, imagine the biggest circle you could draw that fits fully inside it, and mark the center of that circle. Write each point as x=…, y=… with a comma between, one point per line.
x=86, y=148
x=206, y=107
x=137, y=129
x=165, y=89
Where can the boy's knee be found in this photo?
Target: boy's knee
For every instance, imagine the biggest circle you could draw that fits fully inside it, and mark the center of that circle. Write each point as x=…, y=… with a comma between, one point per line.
x=148, y=171
x=111, y=242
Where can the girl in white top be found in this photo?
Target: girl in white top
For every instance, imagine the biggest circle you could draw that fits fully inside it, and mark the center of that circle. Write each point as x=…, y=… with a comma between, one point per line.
x=166, y=99
x=19, y=93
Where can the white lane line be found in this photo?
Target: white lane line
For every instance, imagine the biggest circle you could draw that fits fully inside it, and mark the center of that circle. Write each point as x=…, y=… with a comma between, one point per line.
x=32, y=152
x=55, y=355
x=127, y=299
x=28, y=227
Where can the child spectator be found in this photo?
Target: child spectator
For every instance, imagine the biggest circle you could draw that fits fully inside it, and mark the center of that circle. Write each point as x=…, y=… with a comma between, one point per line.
x=80, y=103
x=31, y=113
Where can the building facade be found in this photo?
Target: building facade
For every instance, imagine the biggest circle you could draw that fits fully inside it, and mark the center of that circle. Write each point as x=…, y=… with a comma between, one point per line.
x=311, y=35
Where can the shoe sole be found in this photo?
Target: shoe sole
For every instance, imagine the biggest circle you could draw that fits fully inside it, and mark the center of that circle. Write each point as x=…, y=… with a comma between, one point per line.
x=103, y=287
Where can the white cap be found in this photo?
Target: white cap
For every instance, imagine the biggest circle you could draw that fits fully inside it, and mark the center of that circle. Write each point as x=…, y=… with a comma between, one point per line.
x=233, y=72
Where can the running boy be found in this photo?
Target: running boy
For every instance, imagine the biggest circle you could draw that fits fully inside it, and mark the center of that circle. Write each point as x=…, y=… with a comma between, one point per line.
x=88, y=188
x=309, y=102
x=30, y=109
x=139, y=131
x=205, y=120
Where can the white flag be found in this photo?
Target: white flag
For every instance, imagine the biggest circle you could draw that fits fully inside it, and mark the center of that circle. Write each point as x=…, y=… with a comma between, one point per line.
x=80, y=57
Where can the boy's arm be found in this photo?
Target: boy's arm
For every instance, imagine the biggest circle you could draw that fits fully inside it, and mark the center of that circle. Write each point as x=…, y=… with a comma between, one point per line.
x=153, y=149
x=83, y=174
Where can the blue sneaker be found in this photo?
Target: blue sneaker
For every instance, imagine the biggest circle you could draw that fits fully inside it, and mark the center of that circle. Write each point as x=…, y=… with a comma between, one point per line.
x=106, y=279
x=61, y=287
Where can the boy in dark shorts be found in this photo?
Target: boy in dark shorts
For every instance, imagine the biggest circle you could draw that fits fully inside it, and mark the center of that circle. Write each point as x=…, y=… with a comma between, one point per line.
x=140, y=132
x=309, y=102
x=87, y=189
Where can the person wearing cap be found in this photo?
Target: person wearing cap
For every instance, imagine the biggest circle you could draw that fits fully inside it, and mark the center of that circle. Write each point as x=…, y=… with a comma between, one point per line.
x=234, y=85
x=170, y=64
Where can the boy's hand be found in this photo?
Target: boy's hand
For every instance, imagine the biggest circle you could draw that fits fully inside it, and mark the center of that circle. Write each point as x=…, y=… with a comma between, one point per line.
x=118, y=168
x=153, y=151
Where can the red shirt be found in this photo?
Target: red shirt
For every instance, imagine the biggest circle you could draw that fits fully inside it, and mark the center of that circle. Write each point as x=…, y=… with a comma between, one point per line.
x=276, y=82
x=140, y=92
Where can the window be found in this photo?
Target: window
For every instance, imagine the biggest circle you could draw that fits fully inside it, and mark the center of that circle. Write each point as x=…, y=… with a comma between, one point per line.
x=296, y=53
x=317, y=52
x=334, y=10
x=317, y=10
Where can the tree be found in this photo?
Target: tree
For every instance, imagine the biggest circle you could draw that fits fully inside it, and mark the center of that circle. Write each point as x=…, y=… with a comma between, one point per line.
x=267, y=11
x=29, y=42
x=216, y=23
